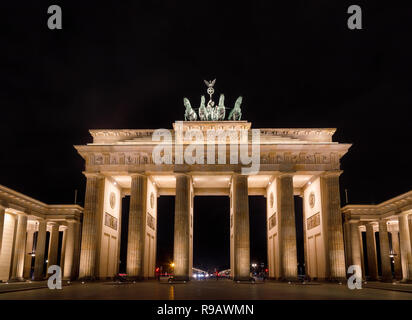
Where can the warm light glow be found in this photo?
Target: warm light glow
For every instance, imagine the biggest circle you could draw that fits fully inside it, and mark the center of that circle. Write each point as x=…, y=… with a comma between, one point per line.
x=172, y=264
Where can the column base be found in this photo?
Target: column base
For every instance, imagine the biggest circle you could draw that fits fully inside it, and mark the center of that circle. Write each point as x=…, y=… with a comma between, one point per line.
x=289, y=279
x=179, y=278
x=39, y=279
x=243, y=279
x=337, y=280
x=136, y=278
x=17, y=280
x=88, y=279
x=405, y=281
x=387, y=279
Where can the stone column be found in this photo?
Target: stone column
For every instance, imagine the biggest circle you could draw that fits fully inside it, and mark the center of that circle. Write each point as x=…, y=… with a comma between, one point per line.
x=181, y=254
x=20, y=247
x=410, y=227
x=361, y=251
x=347, y=236
x=137, y=227
x=53, y=244
x=2, y=212
x=332, y=226
x=40, y=247
x=371, y=251
x=77, y=242
x=70, y=250
x=286, y=228
x=397, y=255
x=241, y=227
x=29, y=249
x=63, y=251
x=384, y=246
x=305, y=242
x=90, y=237
x=405, y=244
x=356, y=257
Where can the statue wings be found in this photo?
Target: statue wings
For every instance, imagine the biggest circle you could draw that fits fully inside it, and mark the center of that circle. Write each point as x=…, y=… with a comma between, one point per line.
x=210, y=83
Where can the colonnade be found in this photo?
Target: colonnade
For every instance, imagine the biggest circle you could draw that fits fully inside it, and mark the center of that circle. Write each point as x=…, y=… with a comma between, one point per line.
x=395, y=242
x=332, y=267
x=23, y=239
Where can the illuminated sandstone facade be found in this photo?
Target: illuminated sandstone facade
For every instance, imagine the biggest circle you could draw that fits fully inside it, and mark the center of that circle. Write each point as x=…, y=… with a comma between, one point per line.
x=304, y=162
x=387, y=229
x=26, y=225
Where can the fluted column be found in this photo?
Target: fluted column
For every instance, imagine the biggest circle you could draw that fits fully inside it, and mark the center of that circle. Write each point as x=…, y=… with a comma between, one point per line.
x=92, y=213
x=397, y=254
x=137, y=224
x=40, y=248
x=371, y=251
x=70, y=250
x=2, y=212
x=405, y=244
x=20, y=247
x=356, y=257
x=384, y=248
x=181, y=251
x=286, y=228
x=63, y=251
x=410, y=227
x=347, y=236
x=241, y=227
x=361, y=251
x=76, y=253
x=29, y=249
x=53, y=244
x=332, y=226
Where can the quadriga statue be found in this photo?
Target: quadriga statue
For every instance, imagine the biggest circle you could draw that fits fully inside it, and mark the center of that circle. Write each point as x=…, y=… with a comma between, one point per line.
x=190, y=114
x=220, y=109
x=236, y=113
x=202, y=110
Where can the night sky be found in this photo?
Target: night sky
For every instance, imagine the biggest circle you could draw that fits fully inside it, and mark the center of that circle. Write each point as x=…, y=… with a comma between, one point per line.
x=128, y=64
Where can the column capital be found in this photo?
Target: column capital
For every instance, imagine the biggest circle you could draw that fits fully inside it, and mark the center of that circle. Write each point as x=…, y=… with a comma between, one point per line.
x=52, y=223
x=332, y=173
x=238, y=174
x=92, y=174
x=72, y=221
x=182, y=173
x=21, y=213
x=282, y=174
x=137, y=174
x=404, y=213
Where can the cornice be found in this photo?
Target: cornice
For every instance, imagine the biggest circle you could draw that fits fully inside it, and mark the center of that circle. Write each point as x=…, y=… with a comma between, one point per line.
x=394, y=206
x=18, y=201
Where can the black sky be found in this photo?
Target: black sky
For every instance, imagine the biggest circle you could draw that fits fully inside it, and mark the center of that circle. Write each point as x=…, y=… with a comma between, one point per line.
x=128, y=64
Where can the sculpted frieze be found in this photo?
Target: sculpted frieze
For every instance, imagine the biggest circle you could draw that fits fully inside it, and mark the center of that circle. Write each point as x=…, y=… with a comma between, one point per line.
x=143, y=158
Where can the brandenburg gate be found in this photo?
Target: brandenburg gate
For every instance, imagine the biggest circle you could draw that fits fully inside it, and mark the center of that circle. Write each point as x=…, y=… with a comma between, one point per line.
x=206, y=155
x=289, y=162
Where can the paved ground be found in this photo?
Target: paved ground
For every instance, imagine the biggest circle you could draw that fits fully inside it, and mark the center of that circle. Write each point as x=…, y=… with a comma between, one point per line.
x=209, y=290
